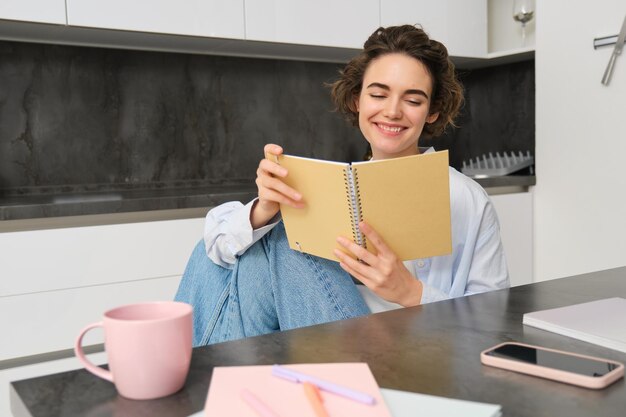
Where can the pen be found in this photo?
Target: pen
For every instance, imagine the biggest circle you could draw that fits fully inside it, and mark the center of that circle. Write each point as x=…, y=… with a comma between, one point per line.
x=262, y=409
x=314, y=397
x=295, y=376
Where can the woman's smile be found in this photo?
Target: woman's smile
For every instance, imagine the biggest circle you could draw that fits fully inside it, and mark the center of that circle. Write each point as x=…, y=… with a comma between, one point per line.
x=389, y=129
x=394, y=105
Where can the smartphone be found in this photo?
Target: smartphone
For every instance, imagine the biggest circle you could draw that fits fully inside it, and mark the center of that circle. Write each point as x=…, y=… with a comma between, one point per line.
x=571, y=368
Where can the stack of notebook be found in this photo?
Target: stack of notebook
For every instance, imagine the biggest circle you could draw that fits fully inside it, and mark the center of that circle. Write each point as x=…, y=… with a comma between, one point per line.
x=340, y=389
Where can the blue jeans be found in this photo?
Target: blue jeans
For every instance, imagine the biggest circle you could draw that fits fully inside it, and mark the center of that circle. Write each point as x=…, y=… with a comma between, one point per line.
x=270, y=288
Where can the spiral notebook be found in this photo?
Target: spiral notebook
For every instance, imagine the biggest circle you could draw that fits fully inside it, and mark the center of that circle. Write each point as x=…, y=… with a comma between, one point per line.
x=406, y=200
x=287, y=398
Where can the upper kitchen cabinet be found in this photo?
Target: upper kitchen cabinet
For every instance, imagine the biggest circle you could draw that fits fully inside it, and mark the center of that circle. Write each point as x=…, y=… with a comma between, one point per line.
x=343, y=24
x=208, y=18
x=41, y=11
x=461, y=25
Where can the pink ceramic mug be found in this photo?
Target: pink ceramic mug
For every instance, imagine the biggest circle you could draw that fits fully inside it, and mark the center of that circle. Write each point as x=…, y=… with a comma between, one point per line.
x=148, y=346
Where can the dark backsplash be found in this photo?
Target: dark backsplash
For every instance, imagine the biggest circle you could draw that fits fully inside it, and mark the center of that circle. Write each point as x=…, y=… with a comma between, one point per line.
x=498, y=115
x=78, y=116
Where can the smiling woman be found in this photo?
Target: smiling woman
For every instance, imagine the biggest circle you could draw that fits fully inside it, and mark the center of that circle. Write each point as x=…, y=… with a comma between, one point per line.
x=394, y=105
x=244, y=280
x=446, y=93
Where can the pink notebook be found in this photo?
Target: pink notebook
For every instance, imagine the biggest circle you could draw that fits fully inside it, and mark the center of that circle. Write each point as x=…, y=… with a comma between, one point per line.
x=288, y=399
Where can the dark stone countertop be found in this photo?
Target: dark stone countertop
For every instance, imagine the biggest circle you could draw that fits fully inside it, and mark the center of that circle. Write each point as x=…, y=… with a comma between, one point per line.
x=78, y=201
x=68, y=201
x=507, y=181
x=432, y=349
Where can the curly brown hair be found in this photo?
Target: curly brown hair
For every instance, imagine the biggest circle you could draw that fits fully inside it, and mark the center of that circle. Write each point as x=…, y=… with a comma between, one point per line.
x=447, y=91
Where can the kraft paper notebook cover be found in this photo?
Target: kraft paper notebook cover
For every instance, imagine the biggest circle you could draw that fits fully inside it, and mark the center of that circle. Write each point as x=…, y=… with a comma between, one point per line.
x=406, y=200
x=286, y=398
x=601, y=322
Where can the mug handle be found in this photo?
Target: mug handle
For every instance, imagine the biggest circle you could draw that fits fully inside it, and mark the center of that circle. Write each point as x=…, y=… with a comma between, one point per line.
x=78, y=349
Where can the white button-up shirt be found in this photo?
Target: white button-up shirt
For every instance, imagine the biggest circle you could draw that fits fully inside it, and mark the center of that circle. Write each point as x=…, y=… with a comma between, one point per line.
x=476, y=264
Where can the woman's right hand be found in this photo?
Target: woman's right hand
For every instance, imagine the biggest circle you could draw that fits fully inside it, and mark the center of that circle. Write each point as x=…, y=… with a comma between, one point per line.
x=272, y=190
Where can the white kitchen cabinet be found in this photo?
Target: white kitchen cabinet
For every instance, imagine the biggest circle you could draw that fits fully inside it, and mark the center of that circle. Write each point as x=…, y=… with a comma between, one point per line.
x=515, y=213
x=474, y=31
x=58, y=280
x=42, y=11
x=73, y=257
x=461, y=25
x=211, y=18
x=49, y=321
x=345, y=23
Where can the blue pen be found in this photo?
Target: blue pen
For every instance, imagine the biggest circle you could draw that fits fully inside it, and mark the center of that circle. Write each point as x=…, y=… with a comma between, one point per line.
x=295, y=376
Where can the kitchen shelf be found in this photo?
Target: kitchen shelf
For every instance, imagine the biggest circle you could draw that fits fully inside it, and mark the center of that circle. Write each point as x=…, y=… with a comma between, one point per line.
x=496, y=58
x=121, y=39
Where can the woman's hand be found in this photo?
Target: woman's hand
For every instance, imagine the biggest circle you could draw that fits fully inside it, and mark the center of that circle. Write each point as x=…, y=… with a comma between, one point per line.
x=272, y=190
x=383, y=273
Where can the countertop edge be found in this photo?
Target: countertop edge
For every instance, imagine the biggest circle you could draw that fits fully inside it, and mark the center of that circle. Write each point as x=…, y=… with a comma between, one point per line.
x=32, y=213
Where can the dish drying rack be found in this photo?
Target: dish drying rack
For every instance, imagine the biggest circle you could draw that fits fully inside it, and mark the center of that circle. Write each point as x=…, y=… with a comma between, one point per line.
x=498, y=165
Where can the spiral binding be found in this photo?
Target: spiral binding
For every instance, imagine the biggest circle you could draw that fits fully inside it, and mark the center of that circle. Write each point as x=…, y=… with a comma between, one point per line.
x=351, y=180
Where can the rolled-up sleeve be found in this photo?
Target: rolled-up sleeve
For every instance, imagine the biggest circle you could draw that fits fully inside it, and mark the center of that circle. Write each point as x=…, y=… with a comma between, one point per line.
x=228, y=232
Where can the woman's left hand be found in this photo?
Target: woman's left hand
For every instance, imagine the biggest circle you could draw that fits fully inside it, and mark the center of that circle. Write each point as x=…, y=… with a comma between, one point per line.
x=382, y=273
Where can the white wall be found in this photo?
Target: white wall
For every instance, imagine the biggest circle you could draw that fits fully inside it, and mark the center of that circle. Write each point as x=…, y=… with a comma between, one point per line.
x=580, y=197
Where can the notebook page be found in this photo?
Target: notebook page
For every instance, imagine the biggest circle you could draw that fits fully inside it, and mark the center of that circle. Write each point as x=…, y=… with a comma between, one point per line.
x=407, y=201
x=315, y=228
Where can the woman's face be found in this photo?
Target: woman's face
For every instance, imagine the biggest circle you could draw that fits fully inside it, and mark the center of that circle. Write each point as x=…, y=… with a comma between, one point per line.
x=393, y=105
